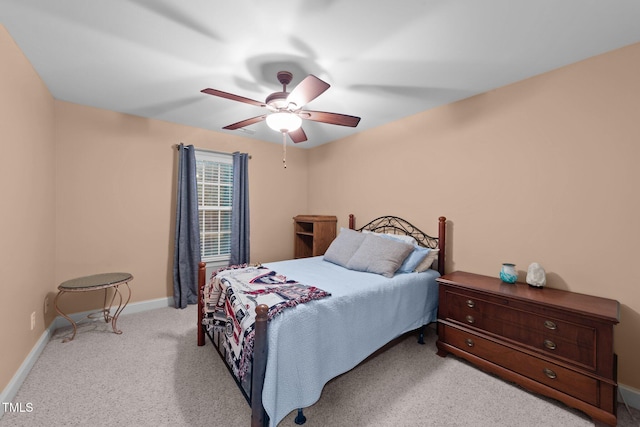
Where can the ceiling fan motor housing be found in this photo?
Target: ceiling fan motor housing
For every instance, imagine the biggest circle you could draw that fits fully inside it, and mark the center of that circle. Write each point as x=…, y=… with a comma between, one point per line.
x=277, y=100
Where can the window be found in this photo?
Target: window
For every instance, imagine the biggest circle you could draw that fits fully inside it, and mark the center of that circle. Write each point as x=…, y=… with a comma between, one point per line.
x=214, y=176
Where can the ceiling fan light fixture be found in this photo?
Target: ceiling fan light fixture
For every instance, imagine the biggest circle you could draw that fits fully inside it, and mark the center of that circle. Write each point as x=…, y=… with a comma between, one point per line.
x=284, y=122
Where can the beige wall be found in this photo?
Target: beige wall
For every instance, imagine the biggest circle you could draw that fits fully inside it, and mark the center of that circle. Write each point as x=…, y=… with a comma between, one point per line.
x=545, y=170
x=27, y=213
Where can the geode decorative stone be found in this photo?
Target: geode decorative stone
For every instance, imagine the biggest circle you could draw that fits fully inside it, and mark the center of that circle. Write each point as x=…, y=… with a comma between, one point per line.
x=536, y=275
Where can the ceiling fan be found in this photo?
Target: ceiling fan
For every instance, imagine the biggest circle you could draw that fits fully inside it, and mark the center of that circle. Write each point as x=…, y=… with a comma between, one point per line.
x=285, y=108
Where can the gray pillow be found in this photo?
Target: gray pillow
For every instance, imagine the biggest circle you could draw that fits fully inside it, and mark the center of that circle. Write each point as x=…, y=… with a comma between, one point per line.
x=379, y=255
x=343, y=247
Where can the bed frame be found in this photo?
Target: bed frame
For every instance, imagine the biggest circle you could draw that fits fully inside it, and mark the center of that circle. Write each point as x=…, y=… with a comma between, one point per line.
x=383, y=224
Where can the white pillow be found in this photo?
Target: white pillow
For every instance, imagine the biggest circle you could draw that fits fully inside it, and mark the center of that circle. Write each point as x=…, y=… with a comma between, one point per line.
x=428, y=261
x=402, y=237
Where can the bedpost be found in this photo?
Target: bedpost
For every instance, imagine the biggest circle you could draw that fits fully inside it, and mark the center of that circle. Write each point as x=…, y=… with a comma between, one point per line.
x=442, y=243
x=352, y=222
x=202, y=273
x=258, y=416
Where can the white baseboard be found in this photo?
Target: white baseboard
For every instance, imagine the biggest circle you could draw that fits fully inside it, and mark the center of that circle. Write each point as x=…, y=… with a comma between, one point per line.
x=12, y=388
x=135, y=307
x=629, y=395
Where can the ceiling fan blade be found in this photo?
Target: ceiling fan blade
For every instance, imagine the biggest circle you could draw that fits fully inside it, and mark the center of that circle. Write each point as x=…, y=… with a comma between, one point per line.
x=331, y=118
x=246, y=122
x=298, y=135
x=306, y=91
x=233, y=97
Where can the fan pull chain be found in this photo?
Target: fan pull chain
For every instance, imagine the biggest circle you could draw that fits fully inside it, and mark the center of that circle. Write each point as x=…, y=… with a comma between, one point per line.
x=284, y=149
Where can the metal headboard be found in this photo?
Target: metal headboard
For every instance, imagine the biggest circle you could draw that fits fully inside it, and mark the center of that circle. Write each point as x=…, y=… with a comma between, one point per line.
x=397, y=225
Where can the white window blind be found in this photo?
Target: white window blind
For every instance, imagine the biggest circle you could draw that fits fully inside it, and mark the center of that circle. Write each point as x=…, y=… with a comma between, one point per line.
x=214, y=175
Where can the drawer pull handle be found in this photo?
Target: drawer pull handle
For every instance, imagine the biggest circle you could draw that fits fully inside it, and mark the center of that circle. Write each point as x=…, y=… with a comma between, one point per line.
x=549, y=373
x=550, y=325
x=470, y=318
x=470, y=303
x=469, y=342
x=550, y=344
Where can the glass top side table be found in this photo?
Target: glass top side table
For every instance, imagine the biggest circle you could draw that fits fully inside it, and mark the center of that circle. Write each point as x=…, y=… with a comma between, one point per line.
x=93, y=283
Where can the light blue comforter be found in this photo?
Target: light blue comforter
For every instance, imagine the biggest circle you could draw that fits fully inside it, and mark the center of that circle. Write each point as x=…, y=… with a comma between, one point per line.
x=317, y=341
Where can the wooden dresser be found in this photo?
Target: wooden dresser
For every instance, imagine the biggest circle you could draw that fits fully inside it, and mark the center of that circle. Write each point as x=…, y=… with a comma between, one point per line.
x=549, y=341
x=313, y=234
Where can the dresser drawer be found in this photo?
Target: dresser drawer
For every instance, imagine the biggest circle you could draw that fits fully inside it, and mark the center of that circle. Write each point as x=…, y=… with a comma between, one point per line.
x=558, y=338
x=570, y=382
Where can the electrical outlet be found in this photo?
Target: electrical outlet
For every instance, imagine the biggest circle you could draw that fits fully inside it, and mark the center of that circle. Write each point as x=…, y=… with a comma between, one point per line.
x=46, y=305
x=33, y=320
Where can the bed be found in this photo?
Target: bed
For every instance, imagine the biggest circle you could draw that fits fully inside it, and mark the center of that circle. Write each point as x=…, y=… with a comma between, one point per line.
x=305, y=346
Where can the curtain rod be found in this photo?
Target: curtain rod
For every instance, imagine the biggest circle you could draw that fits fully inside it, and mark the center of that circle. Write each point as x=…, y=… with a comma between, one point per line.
x=205, y=150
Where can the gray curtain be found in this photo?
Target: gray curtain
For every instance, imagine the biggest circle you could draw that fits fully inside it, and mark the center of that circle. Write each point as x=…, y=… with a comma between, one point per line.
x=240, y=210
x=187, y=242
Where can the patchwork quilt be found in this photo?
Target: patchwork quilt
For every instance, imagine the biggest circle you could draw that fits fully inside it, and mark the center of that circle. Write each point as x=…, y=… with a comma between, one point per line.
x=230, y=299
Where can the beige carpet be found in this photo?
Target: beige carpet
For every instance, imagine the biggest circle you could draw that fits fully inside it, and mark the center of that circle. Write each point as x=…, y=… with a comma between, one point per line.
x=154, y=374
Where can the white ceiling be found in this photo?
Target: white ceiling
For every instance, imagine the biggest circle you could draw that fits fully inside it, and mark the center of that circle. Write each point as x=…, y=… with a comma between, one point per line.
x=384, y=60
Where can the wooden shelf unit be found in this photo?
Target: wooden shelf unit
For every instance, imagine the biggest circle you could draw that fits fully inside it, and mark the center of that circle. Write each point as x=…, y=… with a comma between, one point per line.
x=553, y=342
x=313, y=234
